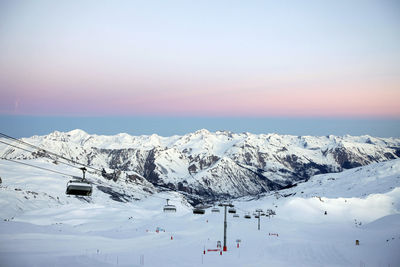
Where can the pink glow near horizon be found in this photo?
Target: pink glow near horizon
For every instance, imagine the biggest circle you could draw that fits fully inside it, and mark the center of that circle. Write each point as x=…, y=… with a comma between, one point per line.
x=179, y=64
x=212, y=102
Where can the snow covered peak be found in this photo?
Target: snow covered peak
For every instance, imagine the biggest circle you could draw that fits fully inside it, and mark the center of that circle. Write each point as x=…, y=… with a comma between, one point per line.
x=77, y=132
x=202, y=132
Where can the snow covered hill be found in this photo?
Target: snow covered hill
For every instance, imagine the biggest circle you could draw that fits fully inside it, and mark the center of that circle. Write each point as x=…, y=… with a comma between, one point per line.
x=41, y=226
x=214, y=165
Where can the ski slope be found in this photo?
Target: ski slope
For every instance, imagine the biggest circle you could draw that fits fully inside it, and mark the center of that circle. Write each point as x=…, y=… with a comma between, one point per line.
x=41, y=226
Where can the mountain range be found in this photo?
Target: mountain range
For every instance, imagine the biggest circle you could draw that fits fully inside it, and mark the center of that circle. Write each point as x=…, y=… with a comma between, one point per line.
x=208, y=166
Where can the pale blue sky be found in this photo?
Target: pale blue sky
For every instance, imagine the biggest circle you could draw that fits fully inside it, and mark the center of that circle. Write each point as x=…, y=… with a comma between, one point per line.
x=200, y=58
x=172, y=67
x=25, y=126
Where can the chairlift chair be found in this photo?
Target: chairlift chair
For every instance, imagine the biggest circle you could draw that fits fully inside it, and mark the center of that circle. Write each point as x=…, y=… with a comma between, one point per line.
x=79, y=186
x=169, y=207
x=232, y=210
x=247, y=216
x=215, y=209
x=199, y=210
x=235, y=215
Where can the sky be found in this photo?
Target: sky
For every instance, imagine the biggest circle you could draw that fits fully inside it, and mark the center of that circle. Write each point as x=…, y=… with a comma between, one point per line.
x=200, y=59
x=27, y=126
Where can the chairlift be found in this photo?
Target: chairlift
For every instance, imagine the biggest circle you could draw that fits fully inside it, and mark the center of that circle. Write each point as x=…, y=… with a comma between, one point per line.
x=79, y=186
x=247, y=216
x=199, y=210
x=215, y=209
x=169, y=207
x=257, y=216
x=235, y=215
x=232, y=210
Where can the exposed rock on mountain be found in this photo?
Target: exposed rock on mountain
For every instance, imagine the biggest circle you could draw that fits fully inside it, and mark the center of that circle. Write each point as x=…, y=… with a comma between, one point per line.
x=214, y=165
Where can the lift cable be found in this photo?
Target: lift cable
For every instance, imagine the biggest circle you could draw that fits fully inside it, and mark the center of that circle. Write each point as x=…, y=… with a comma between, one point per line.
x=38, y=148
x=47, y=151
x=27, y=150
x=67, y=159
x=48, y=156
x=66, y=174
x=245, y=211
x=42, y=168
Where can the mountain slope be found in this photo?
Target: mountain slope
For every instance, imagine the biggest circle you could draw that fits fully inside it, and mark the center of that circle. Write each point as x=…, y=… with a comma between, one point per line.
x=215, y=165
x=41, y=226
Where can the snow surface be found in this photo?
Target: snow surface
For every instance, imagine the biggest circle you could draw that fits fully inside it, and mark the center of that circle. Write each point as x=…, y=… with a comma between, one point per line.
x=41, y=226
x=221, y=163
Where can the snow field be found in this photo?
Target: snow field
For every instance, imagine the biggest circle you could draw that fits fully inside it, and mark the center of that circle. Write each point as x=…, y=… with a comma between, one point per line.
x=48, y=228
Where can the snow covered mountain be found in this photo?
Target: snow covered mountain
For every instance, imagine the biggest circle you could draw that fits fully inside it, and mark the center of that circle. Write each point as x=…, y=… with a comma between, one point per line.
x=213, y=165
x=42, y=226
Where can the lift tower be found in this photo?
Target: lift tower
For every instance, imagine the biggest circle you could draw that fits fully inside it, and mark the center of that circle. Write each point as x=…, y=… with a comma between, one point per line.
x=258, y=217
x=225, y=223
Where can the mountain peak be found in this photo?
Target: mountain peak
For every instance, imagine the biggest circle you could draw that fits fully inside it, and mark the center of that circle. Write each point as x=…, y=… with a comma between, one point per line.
x=202, y=132
x=77, y=132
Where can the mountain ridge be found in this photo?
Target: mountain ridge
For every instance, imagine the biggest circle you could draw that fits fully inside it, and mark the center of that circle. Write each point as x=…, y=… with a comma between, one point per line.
x=214, y=165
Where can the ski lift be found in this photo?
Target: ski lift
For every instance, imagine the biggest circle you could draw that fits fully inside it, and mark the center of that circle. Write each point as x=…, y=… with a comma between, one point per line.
x=215, y=209
x=79, y=187
x=257, y=216
x=247, y=216
x=235, y=215
x=169, y=208
x=199, y=210
x=232, y=210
